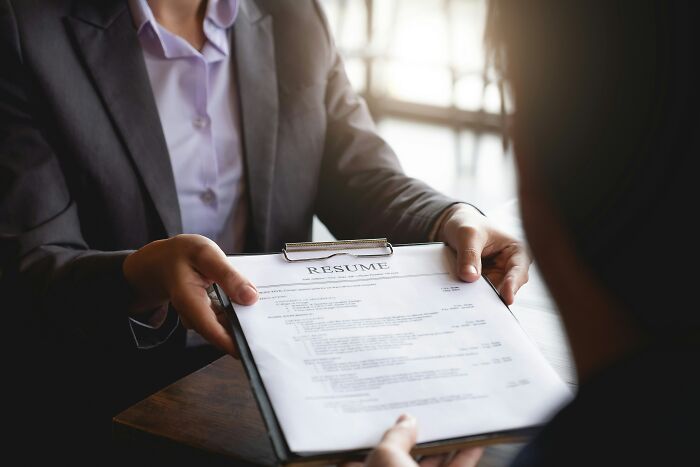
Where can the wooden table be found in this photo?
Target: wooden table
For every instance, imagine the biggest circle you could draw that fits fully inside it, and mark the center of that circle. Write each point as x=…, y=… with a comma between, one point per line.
x=208, y=417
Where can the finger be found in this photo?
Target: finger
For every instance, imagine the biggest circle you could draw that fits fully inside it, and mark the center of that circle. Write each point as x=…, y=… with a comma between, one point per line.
x=468, y=457
x=185, y=322
x=516, y=274
x=217, y=308
x=433, y=461
x=224, y=321
x=193, y=304
x=507, y=290
x=402, y=435
x=212, y=263
x=469, y=263
x=469, y=244
x=352, y=464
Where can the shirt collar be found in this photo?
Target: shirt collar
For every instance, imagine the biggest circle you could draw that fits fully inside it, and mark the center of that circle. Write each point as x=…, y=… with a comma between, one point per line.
x=220, y=15
x=222, y=12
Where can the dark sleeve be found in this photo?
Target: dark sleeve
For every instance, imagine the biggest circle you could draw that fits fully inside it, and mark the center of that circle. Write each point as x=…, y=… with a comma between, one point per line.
x=44, y=255
x=363, y=191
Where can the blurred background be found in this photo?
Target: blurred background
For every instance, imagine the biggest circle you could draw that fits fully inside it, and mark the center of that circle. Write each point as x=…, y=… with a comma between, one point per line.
x=420, y=65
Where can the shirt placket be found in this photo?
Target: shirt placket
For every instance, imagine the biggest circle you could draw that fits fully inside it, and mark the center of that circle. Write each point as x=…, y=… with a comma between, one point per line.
x=201, y=122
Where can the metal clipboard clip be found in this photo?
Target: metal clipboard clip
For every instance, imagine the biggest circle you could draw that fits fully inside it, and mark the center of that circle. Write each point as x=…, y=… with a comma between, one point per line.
x=337, y=246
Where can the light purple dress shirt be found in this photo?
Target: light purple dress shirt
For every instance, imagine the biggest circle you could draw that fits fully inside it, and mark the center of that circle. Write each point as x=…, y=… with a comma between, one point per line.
x=195, y=93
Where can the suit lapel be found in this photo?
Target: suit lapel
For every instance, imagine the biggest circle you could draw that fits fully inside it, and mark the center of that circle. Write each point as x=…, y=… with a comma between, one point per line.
x=257, y=90
x=106, y=38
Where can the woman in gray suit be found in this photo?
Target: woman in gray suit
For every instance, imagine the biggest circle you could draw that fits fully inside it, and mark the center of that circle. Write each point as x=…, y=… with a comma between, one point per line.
x=141, y=140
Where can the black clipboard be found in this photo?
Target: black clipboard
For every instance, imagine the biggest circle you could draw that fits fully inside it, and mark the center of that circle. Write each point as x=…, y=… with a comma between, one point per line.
x=286, y=456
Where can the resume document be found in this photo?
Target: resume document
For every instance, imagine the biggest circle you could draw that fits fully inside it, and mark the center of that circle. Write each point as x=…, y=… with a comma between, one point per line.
x=346, y=344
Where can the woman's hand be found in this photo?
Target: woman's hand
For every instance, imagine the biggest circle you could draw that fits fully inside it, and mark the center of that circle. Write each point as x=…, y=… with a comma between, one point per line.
x=482, y=248
x=179, y=270
x=394, y=450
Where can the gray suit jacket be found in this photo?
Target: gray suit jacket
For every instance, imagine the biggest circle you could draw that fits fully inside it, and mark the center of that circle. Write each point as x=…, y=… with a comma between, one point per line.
x=86, y=175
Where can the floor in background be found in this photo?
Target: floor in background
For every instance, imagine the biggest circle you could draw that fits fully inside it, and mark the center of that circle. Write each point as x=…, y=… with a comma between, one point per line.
x=468, y=166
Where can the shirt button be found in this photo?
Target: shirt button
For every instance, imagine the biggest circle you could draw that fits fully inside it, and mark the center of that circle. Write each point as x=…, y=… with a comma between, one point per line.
x=200, y=122
x=208, y=196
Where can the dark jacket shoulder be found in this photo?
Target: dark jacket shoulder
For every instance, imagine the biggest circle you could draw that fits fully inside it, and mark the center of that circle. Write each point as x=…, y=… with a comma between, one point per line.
x=642, y=411
x=303, y=44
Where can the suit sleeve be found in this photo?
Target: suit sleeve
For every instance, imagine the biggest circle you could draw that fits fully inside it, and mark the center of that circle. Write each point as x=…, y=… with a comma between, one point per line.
x=62, y=284
x=363, y=190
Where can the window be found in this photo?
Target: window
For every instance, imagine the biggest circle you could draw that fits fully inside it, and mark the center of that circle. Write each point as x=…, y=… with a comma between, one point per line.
x=420, y=59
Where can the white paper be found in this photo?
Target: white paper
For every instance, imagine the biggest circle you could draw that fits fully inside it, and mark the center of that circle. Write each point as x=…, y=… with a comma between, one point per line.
x=345, y=345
